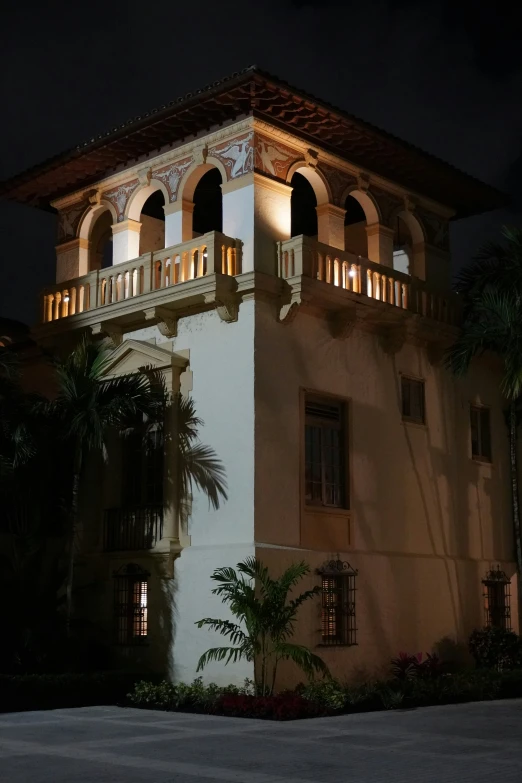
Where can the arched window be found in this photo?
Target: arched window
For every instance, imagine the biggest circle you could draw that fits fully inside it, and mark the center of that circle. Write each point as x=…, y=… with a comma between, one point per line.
x=303, y=207
x=402, y=247
x=152, y=219
x=100, y=255
x=355, y=239
x=208, y=204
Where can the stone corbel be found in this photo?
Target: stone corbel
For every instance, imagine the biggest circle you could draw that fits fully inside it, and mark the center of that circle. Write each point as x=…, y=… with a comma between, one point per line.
x=289, y=309
x=111, y=330
x=94, y=197
x=144, y=177
x=392, y=338
x=342, y=323
x=199, y=154
x=435, y=352
x=311, y=157
x=226, y=303
x=166, y=321
x=363, y=182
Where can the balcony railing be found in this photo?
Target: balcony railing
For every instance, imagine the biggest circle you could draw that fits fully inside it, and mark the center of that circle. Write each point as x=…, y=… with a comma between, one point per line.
x=304, y=256
x=137, y=528
x=210, y=253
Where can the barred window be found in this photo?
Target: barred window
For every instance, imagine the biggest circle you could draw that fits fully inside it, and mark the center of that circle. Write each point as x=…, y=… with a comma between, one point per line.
x=131, y=605
x=497, y=599
x=142, y=474
x=412, y=395
x=338, y=621
x=325, y=465
x=480, y=433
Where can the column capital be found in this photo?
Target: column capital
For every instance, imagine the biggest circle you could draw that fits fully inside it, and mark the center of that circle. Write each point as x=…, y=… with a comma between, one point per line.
x=126, y=225
x=178, y=206
x=379, y=228
x=330, y=209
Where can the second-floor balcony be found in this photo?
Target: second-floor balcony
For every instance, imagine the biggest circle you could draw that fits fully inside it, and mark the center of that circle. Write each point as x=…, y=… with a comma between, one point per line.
x=155, y=275
x=132, y=529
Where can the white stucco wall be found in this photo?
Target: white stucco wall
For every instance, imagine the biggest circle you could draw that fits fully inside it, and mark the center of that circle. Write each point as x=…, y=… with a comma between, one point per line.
x=222, y=367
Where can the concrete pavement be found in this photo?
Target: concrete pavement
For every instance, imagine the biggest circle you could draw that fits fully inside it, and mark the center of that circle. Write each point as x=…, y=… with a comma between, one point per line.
x=453, y=744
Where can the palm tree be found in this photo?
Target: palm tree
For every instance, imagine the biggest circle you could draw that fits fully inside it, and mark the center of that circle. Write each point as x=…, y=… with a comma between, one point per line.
x=267, y=615
x=86, y=408
x=492, y=291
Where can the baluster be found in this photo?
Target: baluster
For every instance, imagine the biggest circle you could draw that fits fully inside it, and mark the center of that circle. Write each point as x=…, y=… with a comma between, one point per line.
x=57, y=302
x=72, y=303
x=49, y=308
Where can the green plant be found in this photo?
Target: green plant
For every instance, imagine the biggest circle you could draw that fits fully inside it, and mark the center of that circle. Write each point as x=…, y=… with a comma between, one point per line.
x=327, y=693
x=496, y=648
x=266, y=618
x=391, y=699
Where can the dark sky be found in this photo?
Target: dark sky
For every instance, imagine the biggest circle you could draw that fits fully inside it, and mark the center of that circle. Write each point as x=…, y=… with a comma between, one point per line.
x=449, y=81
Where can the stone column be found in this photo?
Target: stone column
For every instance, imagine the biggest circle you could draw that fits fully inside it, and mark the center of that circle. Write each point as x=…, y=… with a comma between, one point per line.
x=380, y=244
x=125, y=241
x=72, y=260
x=178, y=222
x=238, y=216
x=330, y=225
x=272, y=221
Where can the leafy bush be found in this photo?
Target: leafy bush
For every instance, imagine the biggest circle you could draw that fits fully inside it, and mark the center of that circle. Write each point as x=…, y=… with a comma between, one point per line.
x=406, y=667
x=197, y=695
x=326, y=693
x=284, y=706
x=52, y=691
x=496, y=648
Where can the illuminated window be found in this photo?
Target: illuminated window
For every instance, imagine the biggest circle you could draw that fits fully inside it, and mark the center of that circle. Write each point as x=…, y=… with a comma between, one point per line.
x=497, y=599
x=412, y=397
x=338, y=622
x=130, y=605
x=325, y=465
x=480, y=433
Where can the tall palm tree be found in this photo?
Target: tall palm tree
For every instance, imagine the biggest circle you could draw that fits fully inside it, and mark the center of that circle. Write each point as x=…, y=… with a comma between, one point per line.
x=491, y=287
x=267, y=617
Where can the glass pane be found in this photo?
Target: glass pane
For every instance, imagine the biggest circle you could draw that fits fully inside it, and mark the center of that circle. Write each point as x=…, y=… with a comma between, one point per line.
x=313, y=464
x=485, y=433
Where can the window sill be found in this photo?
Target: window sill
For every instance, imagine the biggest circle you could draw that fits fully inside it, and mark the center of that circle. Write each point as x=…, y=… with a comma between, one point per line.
x=414, y=423
x=481, y=461
x=336, y=646
x=310, y=508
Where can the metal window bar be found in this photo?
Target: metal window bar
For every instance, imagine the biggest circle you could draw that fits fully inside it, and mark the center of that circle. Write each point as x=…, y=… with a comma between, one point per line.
x=338, y=616
x=497, y=599
x=324, y=453
x=130, y=608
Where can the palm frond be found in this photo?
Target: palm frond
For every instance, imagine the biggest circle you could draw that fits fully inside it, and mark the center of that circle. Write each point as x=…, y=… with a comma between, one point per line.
x=226, y=654
x=225, y=628
x=302, y=657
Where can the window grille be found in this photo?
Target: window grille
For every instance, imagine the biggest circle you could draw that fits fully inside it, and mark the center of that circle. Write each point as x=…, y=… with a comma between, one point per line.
x=338, y=619
x=412, y=395
x=480, y=433
x=325, y=436
x=497, y=599
x=131, y=605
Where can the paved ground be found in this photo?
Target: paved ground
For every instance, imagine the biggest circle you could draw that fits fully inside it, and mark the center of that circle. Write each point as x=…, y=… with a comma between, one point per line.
x=475, y=742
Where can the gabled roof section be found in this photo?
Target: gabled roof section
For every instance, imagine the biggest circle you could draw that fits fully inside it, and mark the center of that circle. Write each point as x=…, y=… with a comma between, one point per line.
x=253, y=92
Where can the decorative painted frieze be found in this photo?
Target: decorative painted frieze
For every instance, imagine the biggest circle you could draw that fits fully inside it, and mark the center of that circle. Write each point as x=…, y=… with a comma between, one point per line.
x=172, y=175
x=388, y=205
x=68, y=221
x=339, y=182
x=274, y=158
x=236, y=155
x=436, y=229
x=120, y=196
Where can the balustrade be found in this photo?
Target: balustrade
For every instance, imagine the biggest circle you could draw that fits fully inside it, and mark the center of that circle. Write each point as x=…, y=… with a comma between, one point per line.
x=205, y=255
x=304, y=256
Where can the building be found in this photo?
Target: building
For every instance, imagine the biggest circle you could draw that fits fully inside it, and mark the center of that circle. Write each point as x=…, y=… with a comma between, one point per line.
x=288, y=266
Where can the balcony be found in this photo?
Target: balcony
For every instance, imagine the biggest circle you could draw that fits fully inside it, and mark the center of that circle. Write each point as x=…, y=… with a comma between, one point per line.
x=132, y=529
x=178, y=276
x=343, y=282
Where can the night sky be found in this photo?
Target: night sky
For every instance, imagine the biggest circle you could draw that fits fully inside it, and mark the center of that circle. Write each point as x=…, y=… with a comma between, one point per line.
x=449, y=81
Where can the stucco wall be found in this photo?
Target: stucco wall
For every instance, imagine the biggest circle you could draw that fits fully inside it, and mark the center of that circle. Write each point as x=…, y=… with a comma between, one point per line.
x=426, y=521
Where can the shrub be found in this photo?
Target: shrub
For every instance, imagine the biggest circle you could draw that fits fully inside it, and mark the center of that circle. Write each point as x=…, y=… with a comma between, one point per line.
x=496, y=648
x=406, y=667
x=325, y=693
x=170, y=696
x=52, y=691
x=284, y=706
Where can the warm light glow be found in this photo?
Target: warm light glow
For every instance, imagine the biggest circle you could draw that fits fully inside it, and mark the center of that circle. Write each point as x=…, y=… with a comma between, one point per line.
x=351, y=273
x=66, y=298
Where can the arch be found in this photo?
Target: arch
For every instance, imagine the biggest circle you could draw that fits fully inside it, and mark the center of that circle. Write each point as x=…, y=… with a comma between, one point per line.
x=90, y=217
x=140, y=196
x=412, y=222
x=367, y=202
x=408, y=243
x=97, y=229
x=192, y=177
x=316, y=179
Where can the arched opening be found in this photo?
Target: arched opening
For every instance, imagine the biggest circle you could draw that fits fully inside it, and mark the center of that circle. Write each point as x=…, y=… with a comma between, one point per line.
x=402, y=247
x=303, y=205
x=355, y=237
x=208, y=204
x=100, y=254
x=152, y=219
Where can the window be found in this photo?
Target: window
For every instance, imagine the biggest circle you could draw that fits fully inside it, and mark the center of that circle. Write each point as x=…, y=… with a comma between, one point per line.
x=130, y=605
x=143, y=453
x=412, y=394
x=338, y=626
x=497, y=599
x=480, y=433
x=325, y=467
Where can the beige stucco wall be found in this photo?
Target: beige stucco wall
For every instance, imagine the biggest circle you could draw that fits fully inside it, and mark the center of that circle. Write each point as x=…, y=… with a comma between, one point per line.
x=426, y=521
x=152, y=234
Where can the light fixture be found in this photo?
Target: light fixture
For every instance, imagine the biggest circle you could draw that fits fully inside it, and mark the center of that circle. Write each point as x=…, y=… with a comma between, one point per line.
x=351, y=273
x=205, y=254
x=66, y=298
